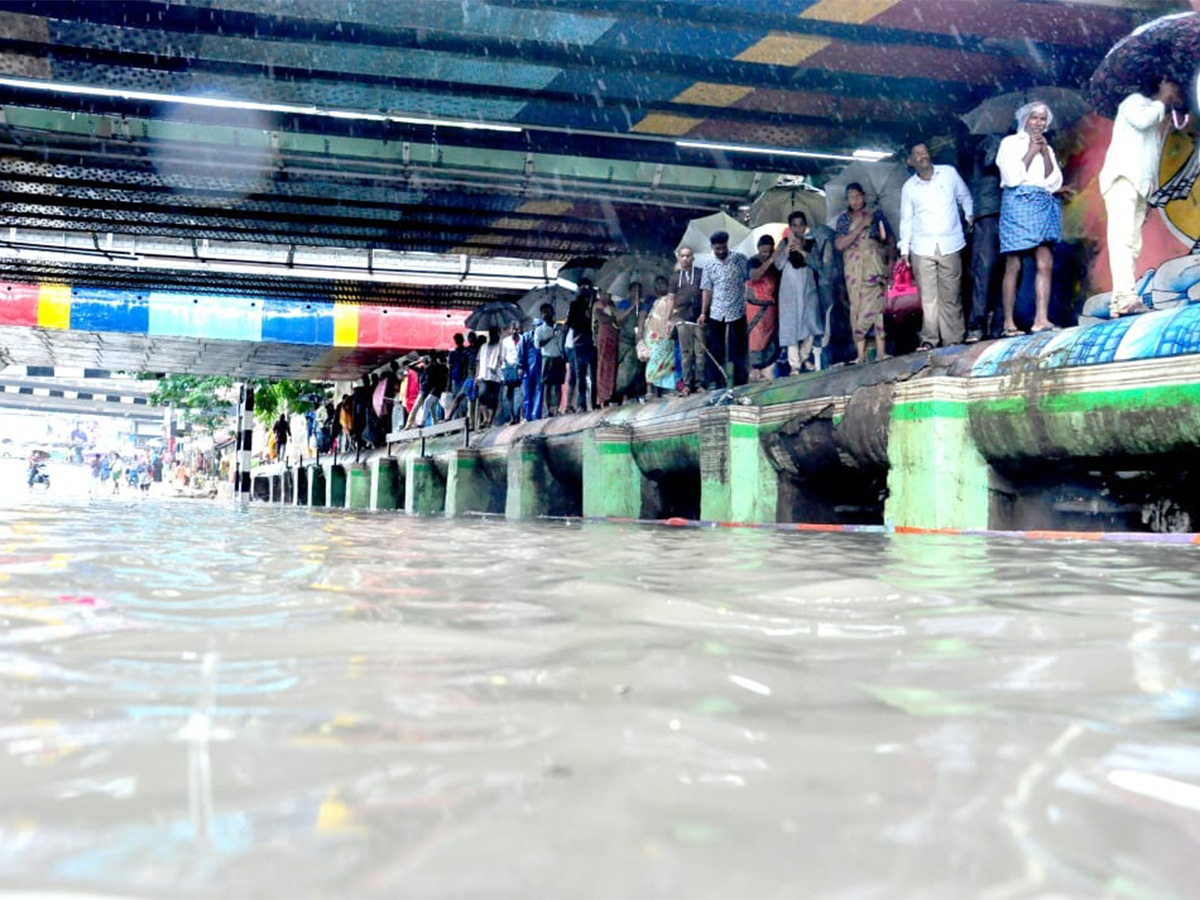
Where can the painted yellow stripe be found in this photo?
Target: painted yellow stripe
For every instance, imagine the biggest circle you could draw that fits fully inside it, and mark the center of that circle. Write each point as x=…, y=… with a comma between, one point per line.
x=781, y=49
x=663, y=123
x=345, y=325
x=704, y=93
x=54, y=306
x=854, y=12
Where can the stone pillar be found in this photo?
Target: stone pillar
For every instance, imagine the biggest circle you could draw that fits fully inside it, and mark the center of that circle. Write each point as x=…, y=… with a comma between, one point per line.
x=300, y=486
x=612, y=481
x=385, y=483
x=335, y=485
x=316, y=485
x=529, y=480
x=276, y=482
x=358, y=486
x=468, y=488
x=424, y=486
x=738, y=482
x=936, y=476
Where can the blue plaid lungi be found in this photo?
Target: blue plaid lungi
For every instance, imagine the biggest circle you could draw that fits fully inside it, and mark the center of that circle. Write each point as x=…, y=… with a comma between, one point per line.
x=1029, y=216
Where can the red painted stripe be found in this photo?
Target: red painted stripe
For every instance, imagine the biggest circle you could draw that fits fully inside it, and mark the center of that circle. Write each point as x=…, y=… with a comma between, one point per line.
x=18, y=304
x=404, y=328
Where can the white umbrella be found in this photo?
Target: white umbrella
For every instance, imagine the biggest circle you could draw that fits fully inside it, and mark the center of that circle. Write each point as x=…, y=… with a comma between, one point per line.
x=881, y=181
x=618, y=273
x=698, y=232
x=749, y=245
x=558, y=297
x=776, y=204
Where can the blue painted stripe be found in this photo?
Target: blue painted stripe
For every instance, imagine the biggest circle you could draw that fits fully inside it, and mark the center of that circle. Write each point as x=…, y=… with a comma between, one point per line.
x=96, y=309
x=298, y=322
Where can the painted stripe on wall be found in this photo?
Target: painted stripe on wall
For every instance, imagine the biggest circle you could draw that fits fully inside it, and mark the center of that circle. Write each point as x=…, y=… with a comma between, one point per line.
x=345, y=325
x=54, y=306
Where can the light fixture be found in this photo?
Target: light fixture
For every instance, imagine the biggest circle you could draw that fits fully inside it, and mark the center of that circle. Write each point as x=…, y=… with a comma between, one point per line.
x=871, y=155
x=88, y=90
x=769, y=151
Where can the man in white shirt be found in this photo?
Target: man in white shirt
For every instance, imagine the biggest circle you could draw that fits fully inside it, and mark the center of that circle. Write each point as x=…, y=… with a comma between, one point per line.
x=931, y=237
x=1128, y=178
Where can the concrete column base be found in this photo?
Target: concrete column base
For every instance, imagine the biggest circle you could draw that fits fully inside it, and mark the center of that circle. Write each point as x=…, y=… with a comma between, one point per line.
x=468, y=487
x=612, y=481
x=300, y=486
x=335, y=485
x=529, y=480
x=936, y=476
x=358, y=486
x=385, y=483
x=316, y=485
x=424, y=486
x=738, y=482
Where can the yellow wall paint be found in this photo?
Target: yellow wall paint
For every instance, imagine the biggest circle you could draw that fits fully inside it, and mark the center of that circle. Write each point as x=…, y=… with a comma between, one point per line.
x=852, y=11
x=345, y=325
x=662, y=123
x=704, y=93
x=54, y=306
x=779, y=49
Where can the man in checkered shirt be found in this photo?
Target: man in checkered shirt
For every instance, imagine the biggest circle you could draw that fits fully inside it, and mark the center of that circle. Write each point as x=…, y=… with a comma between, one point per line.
x=723, y=292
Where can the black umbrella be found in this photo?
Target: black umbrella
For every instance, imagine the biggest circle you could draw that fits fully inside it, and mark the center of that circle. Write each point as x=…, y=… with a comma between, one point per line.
x=1166, y=46
x=497, y=314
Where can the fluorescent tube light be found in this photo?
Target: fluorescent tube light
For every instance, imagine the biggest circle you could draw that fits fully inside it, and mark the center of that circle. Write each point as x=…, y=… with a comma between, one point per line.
x=771, y=151
x=871, y=155
x=226, y=103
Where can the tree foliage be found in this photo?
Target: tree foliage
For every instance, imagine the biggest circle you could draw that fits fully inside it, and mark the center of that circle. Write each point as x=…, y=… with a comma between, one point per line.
x=208, y=401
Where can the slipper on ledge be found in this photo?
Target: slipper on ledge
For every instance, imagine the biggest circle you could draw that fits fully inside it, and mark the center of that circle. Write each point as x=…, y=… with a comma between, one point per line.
x=1133, y=309
x=1012, y=332
x=1044, y=330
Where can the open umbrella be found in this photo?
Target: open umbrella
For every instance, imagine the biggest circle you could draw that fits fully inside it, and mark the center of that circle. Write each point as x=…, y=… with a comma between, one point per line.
x=1169, y=45
x=998, y=115
x=780, y=201
x=881, y=181
x=558, y=297
x=379, y=398
x=618, y=273
x=497, y=314
x=580, y=267
x=749, y=245
x=698, y=232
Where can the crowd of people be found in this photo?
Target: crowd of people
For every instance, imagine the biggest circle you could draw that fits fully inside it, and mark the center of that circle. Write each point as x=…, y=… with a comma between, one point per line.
x=113, y=471
x=734, y=320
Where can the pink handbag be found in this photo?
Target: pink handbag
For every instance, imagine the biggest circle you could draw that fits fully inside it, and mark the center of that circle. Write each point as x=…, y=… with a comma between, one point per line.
x=903, y=299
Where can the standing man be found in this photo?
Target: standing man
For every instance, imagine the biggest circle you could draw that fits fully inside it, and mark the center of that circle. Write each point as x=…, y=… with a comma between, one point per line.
x=985, y=242
x=800, y=319
x=931, y=236
x=283, y=431
x=684, y=290
x=723, y=294
x=530, y=365
x=1128, y=177
x=549, y=339
x=581, y=352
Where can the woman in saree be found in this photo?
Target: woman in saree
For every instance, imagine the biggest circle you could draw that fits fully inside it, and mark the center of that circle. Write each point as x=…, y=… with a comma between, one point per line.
x=658, y=330
x=867, y=245
x=762, y=310
x=605, y=328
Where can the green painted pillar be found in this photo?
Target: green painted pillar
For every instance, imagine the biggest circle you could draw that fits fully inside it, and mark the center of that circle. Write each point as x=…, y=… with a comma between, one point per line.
x=936, y=476
x=738, y=482
x=468, y=488
x=316, y=485
x=385, y=483
x=612, y=481
x=358, y=486
x=335, y=485
x=424, y=486
x=527, y=495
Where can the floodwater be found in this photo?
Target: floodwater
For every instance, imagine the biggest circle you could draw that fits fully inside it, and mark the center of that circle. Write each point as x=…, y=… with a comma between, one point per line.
x=201, y=700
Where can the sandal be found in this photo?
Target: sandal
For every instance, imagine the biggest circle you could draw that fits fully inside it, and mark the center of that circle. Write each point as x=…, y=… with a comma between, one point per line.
x=1132, y=309
x=1044, y=330
x=1012, y=332
x=925, y=347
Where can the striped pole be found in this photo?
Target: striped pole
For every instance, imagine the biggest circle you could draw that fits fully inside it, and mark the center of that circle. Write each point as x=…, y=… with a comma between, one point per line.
x=245, y=435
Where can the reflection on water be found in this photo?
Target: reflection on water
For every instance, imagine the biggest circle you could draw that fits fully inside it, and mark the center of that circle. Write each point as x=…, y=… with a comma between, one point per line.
x=204, y=700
